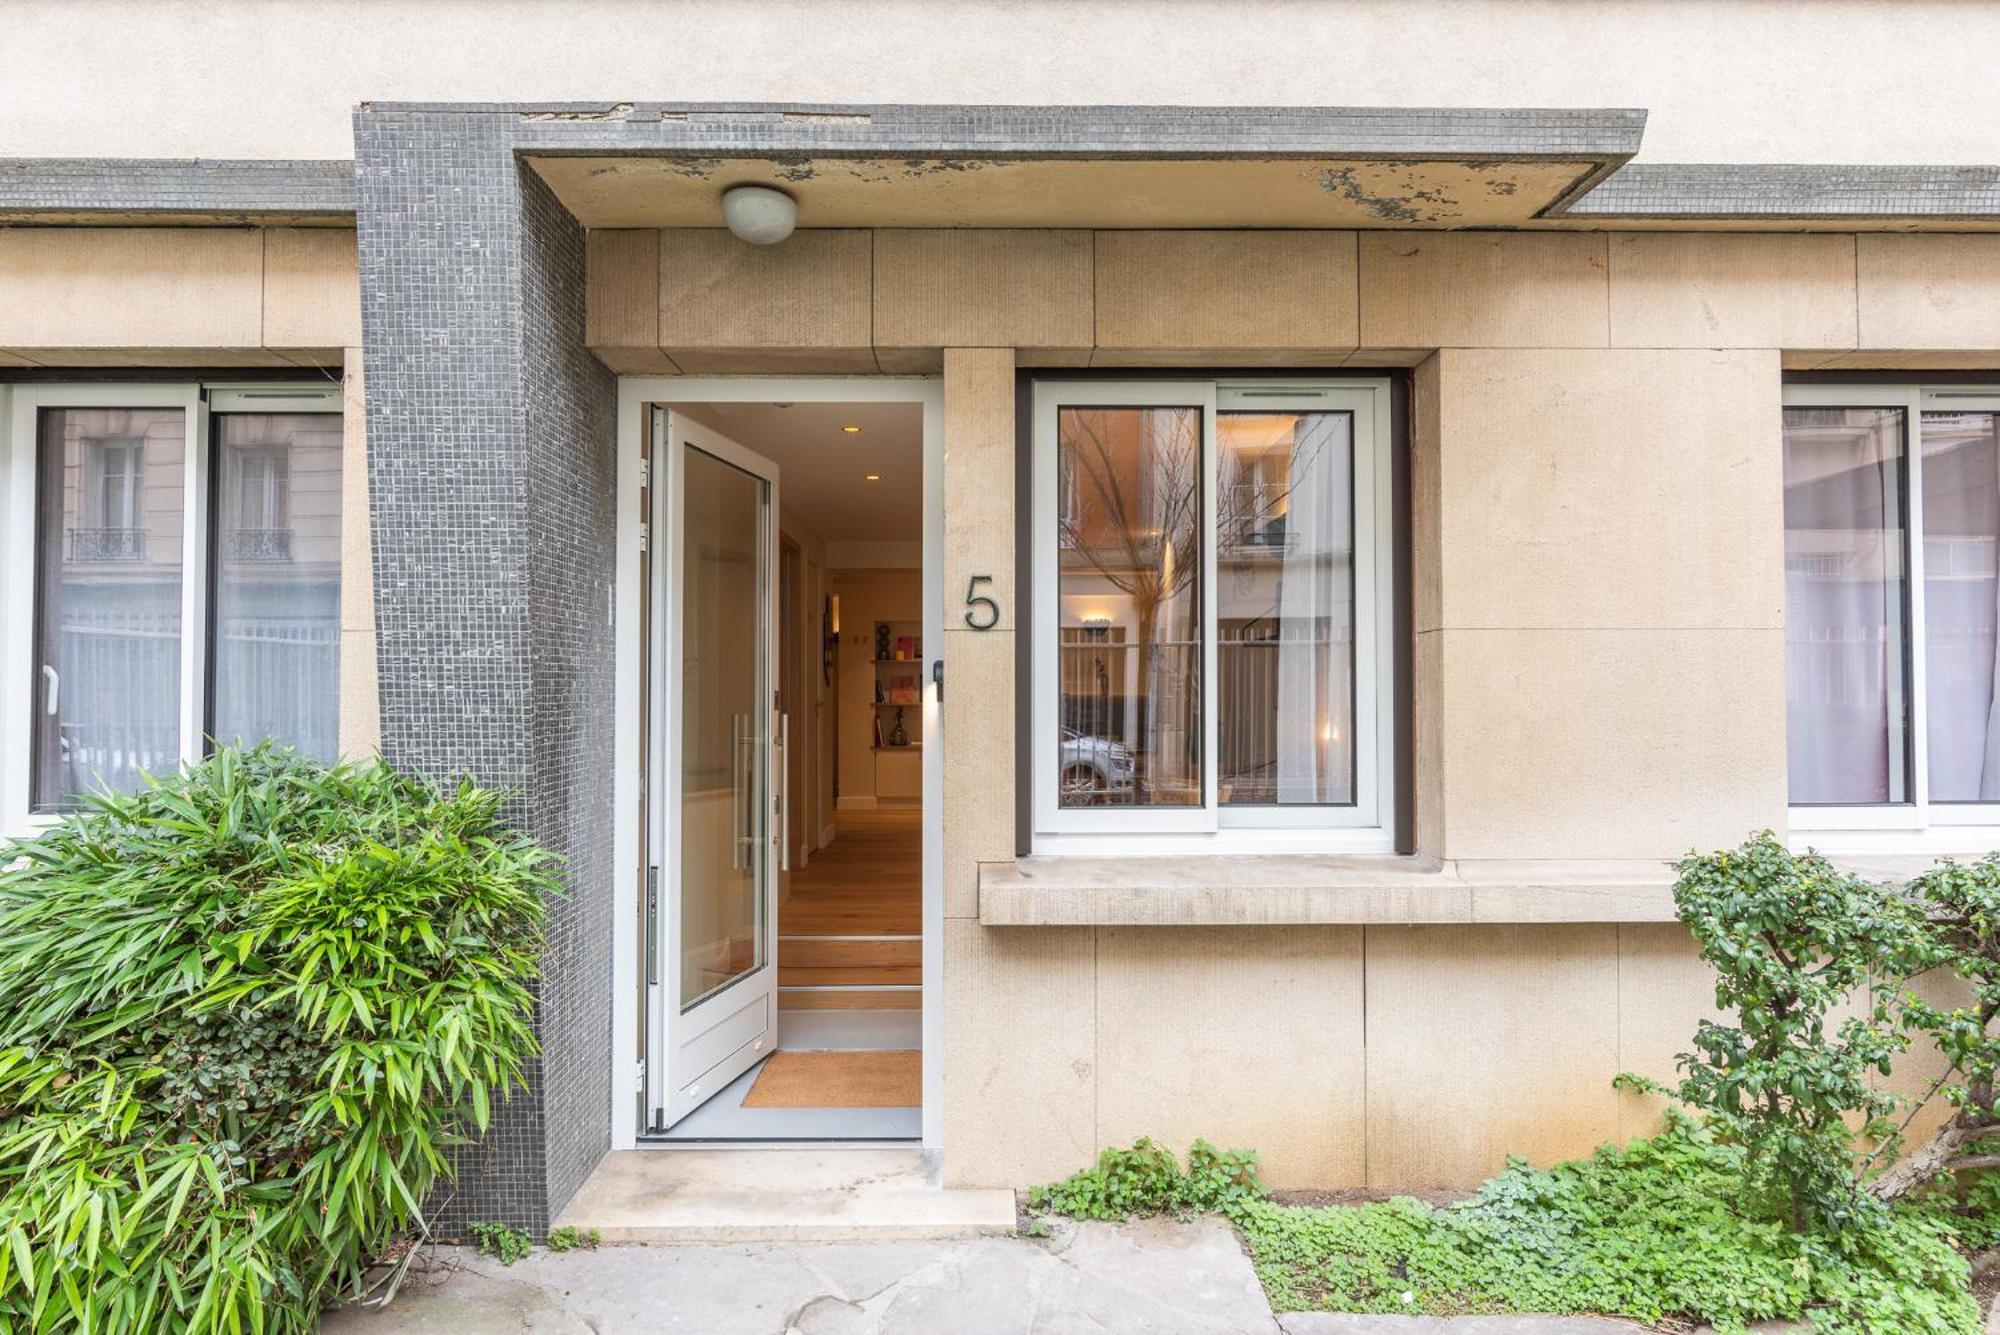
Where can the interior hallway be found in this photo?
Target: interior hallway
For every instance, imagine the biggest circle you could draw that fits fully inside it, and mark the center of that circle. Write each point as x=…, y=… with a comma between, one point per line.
x=850, y=929
x=850, y=950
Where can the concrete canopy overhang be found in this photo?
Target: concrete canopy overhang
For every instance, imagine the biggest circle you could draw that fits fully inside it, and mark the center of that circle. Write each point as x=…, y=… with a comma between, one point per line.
x=639, y=165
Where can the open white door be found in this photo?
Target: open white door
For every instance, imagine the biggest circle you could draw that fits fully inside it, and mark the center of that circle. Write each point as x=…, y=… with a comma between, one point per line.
x=716, y=814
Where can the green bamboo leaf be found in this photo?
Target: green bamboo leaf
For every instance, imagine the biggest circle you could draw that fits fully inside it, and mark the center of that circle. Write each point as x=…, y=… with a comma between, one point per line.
x=23, y=1256
x=185, y=1179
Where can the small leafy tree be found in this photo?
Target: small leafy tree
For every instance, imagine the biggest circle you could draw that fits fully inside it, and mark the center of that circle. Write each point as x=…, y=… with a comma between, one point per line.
x=244, y=1013
x=1960, y=903
x=1792, y=942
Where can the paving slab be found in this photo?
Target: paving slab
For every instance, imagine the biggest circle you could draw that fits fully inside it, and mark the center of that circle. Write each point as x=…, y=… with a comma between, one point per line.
x=1330, y=1323
x=1157, y=1277
x=1149, y=1277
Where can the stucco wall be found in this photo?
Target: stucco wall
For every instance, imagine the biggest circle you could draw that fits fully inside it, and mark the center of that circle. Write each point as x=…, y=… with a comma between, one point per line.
x=1726, y=80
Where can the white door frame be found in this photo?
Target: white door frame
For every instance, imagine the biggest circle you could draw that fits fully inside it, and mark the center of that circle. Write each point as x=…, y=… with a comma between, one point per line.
x=636, y=396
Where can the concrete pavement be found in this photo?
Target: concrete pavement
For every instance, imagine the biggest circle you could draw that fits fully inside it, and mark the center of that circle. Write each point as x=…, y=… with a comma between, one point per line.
x=1149, y=1277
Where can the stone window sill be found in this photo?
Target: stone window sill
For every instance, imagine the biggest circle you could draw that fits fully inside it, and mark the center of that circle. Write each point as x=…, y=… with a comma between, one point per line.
x=1196, y=891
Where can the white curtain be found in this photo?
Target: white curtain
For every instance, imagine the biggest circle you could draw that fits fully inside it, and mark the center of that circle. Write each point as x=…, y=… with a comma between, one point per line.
x=1314, y=590
x=1962, y=651
x=1844, y=623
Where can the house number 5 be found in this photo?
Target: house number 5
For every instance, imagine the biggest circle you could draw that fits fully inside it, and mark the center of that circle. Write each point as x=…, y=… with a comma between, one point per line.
x=981, y=612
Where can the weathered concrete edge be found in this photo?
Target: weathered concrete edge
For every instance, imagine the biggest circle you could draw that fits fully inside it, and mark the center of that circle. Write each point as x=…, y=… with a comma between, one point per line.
x=196, y=189
x=99, y=190
x=1709, y=192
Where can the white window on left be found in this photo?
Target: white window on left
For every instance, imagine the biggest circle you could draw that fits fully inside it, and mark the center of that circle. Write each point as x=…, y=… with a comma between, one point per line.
x=172, y=576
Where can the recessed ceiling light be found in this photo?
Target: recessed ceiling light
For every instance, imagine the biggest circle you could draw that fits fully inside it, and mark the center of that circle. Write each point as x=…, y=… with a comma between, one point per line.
x=852, y=430
x=873, y=477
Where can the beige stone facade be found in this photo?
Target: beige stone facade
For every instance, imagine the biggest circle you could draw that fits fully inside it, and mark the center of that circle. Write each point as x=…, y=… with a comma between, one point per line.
x=1597, y=613
x=1599, y=646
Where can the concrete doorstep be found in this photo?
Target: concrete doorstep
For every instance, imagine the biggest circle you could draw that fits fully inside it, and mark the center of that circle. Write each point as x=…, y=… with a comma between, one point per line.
x=780, y=1195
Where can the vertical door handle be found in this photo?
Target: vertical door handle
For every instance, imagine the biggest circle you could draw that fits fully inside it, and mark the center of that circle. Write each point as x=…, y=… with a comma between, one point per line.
x=736, y=834
x=781, y=806
x=54, y=682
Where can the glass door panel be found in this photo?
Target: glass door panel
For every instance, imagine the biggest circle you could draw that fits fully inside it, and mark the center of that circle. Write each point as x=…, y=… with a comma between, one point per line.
x=725, y=714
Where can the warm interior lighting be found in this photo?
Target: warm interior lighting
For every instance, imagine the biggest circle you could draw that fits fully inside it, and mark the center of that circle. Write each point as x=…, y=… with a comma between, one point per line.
x=874, y=477
x=852, y=430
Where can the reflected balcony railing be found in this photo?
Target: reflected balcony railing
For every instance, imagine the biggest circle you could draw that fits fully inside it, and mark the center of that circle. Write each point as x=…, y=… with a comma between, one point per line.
x=258, y=544
x=107, y=544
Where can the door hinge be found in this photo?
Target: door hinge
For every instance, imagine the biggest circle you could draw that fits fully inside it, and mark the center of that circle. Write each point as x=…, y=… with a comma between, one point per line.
x=645, y=534
x=645, y=472
x=639, y=1075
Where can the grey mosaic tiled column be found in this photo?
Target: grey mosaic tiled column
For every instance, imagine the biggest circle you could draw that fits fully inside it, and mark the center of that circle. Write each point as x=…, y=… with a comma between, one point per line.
x=491, y=485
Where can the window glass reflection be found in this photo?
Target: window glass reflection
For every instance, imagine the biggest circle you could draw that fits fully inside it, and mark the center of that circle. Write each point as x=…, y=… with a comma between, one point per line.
x=1129, y=537
x=106, y=696
x=1285, y=608
x=276, y=598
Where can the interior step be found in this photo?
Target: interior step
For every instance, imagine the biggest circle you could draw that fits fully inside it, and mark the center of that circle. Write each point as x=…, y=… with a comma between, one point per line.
x=849, y=952
x=867, y=975
x=850, y=961
x=783, y=1195
x=848, y=998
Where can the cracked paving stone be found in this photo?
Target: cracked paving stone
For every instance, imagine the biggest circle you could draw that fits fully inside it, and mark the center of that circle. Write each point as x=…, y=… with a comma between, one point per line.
x=1149, y=1277
x=465, y=1302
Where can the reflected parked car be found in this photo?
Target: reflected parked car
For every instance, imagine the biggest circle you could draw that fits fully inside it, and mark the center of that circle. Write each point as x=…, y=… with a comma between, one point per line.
x=1093, y=768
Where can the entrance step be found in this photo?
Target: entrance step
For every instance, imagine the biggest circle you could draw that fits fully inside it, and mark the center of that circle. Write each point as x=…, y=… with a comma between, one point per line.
x=781, y=1195
x=849, y=998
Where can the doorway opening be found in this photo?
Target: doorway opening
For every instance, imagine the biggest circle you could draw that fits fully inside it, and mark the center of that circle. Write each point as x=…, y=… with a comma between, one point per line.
x=787, y=706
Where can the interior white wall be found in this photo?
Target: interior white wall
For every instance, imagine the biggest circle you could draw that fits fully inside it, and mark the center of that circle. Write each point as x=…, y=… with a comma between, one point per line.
x=1726, y=80
x=866, y=597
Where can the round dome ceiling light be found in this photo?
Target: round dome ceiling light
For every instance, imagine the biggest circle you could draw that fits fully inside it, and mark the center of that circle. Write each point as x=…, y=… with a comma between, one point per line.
x=759, y=214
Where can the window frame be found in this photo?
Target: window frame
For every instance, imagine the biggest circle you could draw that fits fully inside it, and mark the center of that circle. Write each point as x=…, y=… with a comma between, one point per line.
x=1916, y=826
x=1364, y=826
x=21, y=525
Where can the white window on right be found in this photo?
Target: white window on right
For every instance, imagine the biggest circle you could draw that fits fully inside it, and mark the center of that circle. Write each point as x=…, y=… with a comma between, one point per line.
x=1892, y=616
x=1213, y=634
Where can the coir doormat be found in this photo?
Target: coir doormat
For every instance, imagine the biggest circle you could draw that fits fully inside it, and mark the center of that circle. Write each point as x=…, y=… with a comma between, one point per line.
x=869, y=1079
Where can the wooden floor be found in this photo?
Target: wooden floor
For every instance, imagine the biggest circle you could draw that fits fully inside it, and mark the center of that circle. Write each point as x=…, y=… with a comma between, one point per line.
x=851, y=926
